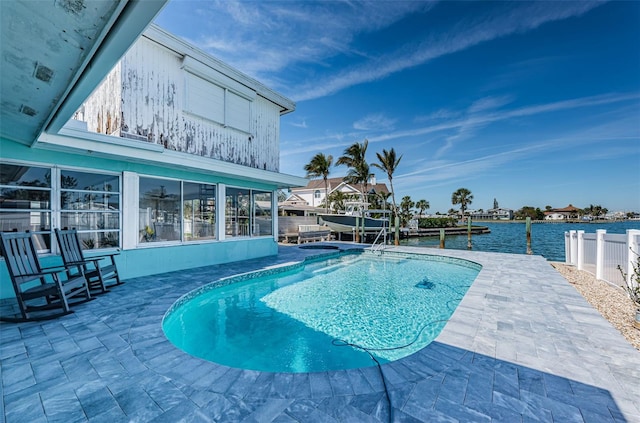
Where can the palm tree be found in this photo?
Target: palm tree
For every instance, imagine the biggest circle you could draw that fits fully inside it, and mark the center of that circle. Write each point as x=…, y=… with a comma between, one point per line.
x=354, y=159
x=336, y=199
x=463, y=197
x=320, y=166
x=388, y=162
x=405, y=206
x=422, y=205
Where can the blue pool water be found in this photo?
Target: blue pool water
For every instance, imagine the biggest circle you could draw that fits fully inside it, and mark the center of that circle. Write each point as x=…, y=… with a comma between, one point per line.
x=290, y=321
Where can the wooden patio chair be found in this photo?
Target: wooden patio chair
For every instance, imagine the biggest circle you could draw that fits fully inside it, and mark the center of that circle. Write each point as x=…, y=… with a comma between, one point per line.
x=99, y=274
x=38, y=289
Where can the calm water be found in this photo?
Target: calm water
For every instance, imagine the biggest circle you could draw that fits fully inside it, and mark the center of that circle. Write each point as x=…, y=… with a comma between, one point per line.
x=288, y=322
x=547, y=239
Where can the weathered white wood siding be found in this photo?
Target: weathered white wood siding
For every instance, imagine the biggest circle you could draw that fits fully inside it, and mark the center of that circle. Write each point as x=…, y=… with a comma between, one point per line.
x=102, y=111
x=151, y=100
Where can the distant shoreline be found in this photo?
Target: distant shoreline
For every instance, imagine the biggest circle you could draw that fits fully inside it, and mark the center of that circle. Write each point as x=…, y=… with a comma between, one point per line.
x=556, y=221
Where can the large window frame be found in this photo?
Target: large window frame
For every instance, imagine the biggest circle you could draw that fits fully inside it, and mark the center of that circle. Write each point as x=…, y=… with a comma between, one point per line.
x=54, y=209
x=169, y=214
x=93, y=208
x=27, y=203
x=244, y=216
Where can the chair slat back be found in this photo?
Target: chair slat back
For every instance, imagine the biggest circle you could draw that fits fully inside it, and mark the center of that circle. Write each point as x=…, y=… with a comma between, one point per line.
x=20, y=254
x=70, y=248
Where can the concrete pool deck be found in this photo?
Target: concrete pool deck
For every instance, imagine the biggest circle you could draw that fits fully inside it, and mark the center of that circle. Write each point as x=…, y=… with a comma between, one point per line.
x=523, y=345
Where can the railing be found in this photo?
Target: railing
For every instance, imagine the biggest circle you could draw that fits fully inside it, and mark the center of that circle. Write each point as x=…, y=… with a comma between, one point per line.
x=378, y=247
x=601, y=254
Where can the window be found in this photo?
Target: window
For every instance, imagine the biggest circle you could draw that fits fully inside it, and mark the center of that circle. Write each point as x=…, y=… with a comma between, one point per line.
x=160, y=215
x=238, y=112
x=237, y=212
x=25, y=202
x=227, y=102
x=90, y=203
x=248, y=213
x=199, y=211
x=263, y=221
x=316, y=194
x=205, y=99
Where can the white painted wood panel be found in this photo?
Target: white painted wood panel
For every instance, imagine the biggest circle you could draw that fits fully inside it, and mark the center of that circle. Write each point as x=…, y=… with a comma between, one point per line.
x=238, y=112
x=146, y=95
x=204, y=99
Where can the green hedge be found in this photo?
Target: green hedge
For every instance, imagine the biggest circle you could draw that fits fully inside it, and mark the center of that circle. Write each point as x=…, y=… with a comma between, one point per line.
x=437, y=222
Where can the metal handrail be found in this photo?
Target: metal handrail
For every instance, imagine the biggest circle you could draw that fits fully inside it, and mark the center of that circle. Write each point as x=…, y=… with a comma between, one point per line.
x=377, y=247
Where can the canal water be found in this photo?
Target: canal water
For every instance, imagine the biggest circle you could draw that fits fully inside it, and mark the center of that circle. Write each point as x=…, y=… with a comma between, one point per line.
x=547, y=239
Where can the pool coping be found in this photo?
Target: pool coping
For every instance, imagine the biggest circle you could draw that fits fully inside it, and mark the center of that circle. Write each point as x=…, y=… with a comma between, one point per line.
x=521, y=345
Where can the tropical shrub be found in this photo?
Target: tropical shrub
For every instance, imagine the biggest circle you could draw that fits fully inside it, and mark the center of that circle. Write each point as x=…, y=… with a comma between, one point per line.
x=436, y=222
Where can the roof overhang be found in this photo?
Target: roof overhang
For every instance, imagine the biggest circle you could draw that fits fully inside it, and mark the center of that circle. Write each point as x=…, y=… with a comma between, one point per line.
x=54, y=53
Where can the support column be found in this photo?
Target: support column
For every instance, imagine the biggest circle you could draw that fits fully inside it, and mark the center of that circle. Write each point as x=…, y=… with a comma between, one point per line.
x=633, y=250
x=600, y=253
x=221, y=201
x=573, y=243
x=580, y=235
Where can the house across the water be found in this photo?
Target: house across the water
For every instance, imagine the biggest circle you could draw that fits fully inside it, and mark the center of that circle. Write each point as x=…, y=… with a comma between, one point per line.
x=310, y=199
x=139, y=140
x=565, y=213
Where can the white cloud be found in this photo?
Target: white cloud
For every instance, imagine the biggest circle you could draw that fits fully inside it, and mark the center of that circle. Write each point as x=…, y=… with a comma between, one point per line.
x=300, y=124
x=522, y=18
x=272, y=36
x=374, y=122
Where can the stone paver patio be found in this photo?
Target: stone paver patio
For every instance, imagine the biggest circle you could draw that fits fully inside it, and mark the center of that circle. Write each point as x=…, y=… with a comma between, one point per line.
x=522, y=346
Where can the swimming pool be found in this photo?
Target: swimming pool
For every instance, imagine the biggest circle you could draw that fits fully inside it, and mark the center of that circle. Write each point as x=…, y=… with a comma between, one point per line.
x=300, y=317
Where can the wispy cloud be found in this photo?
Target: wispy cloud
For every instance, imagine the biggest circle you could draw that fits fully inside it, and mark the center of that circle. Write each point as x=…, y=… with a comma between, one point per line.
x=520, y=18
x=329, y=141
x=374, y=122
x=299, y=124
x=470, y=126
x=275, y=36
x=622, y=130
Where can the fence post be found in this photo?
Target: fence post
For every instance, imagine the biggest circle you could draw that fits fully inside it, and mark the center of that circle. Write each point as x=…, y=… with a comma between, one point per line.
x=600, y=253
x=573, y=240
x=567, y=248
x=633, y=249
x=580, y=250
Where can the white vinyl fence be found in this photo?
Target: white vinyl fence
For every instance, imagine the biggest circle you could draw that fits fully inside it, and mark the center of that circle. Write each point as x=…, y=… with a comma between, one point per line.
x=601, y=253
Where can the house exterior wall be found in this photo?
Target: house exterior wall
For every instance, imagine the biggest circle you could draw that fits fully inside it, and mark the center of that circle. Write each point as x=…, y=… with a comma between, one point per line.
x=144, y=134
x=137, y=259
x=146, y=95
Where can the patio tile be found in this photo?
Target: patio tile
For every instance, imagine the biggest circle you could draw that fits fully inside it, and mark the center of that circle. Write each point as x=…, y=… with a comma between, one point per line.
x=16, y=377
x=340, y=383
x=522, y=346
x=96, y=401
x=320, y=385
x=137, y=404
x=62, y=405
x=26, y=409
x=268, y=411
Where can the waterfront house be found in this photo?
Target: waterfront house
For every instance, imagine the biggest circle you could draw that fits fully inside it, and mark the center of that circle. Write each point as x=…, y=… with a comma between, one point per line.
x=164, y=152
x=492, y=214
x=313, y=193
x=565, y=213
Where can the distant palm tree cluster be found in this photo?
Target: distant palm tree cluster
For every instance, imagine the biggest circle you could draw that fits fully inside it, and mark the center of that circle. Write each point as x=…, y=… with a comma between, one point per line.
x=359, y=173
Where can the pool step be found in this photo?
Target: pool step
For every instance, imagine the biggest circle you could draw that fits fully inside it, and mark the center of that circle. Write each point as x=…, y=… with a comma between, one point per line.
x=333, y=267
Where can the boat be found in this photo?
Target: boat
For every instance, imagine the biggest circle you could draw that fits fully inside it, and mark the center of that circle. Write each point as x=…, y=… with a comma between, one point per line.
x=346, y=222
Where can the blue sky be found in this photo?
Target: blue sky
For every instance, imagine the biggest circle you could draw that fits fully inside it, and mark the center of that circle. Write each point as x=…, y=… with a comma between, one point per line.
x=530, y=103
